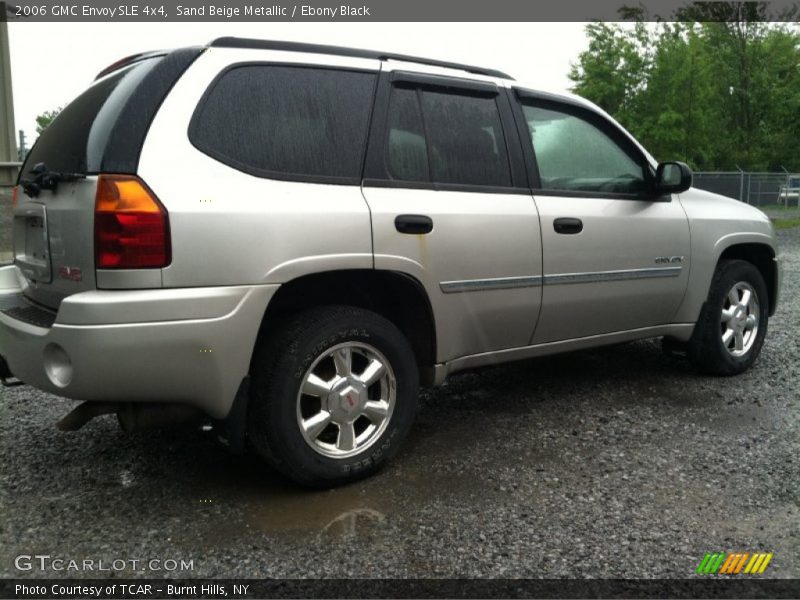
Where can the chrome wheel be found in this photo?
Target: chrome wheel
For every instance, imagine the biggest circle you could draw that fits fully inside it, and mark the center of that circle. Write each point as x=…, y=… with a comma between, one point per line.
x=739, y=321
x=346, y=400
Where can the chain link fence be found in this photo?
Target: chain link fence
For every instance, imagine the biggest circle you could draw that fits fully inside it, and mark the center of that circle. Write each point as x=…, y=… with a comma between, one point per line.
x=756, y=188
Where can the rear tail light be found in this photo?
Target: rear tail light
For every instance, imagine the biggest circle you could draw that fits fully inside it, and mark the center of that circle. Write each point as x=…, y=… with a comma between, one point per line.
x=14, y=195
x=131, y=227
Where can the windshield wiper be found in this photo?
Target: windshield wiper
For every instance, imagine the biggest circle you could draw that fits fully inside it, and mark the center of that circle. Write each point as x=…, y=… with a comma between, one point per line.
x=45, y=179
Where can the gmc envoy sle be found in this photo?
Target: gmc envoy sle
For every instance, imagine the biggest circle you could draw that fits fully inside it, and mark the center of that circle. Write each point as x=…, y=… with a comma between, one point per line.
x=289, y=239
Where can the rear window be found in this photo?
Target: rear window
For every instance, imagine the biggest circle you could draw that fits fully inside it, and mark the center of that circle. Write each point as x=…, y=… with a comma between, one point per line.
x=76, y=141
x=287, y=122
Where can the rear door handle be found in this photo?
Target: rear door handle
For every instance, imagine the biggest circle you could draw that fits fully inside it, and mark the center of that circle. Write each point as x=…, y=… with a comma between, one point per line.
x=568, y=225
x=413, y=224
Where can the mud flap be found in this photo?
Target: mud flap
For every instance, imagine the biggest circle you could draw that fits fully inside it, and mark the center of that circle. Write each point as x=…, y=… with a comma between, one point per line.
x=232, y=430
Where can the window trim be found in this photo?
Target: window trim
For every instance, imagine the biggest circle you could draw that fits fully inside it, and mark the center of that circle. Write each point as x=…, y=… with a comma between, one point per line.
x=376, y=173
x=458, y=85
x=574, y=108
x=281, y=175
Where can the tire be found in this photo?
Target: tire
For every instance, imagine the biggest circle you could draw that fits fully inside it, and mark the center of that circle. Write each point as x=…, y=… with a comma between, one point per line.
x=300, y=356
x=707, y=350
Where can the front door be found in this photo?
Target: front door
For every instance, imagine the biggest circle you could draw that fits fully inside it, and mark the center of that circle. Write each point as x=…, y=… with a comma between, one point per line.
x=615, y=256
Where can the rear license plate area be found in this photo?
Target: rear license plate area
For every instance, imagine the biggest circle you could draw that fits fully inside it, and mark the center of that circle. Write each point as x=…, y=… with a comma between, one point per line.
x=31, y=246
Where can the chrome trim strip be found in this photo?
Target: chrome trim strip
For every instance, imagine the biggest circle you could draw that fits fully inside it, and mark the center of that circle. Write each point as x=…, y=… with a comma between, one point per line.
x=505, y=283
x=622, y=275
x=499, y=283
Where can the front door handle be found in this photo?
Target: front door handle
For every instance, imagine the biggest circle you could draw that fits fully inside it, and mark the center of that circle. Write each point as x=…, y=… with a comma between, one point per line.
x=413, y=224
x=568, y=225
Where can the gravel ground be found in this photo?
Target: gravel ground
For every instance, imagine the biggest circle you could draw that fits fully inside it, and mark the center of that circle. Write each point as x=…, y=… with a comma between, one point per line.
x=610, y=463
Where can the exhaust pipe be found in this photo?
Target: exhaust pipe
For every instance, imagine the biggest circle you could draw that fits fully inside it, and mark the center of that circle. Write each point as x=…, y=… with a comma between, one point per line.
x=85, y=412
x=132, y=416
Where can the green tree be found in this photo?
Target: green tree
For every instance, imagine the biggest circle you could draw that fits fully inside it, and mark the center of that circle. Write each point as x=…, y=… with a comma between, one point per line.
x=717, y=90
x=44, y=119
x=613, y=69
x=677, y=113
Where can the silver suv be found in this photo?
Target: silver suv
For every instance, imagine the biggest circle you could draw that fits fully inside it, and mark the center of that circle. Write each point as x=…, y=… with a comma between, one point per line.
x=289, y=239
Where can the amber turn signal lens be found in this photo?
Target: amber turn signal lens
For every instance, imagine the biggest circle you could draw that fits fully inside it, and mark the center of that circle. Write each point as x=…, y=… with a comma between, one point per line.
x=131, y=226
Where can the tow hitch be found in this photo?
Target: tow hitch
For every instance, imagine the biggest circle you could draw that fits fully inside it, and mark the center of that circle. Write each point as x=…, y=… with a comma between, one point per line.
x=6, y=378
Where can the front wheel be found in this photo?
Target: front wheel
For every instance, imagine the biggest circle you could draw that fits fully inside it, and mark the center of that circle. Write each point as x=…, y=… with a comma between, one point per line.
x=732, y=325
x=335, y=392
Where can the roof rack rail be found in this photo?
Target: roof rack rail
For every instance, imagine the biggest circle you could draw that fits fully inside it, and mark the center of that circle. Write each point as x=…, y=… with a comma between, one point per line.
x=235, y=42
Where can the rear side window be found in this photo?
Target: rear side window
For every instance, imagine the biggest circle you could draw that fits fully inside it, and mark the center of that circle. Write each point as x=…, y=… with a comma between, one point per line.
x=408, y=152
x=76, y=141
x=444, y=137
x=287, y=122
x=466, y=139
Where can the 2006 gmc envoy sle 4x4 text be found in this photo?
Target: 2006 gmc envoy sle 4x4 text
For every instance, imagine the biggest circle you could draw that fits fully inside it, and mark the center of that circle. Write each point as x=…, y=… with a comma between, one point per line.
x=290, y=238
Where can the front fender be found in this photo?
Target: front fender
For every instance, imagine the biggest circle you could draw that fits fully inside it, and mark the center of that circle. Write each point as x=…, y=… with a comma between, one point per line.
x=705, y=258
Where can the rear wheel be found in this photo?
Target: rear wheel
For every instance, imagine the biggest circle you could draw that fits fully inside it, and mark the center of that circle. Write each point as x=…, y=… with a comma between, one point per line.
x=731, y=329
x=335, y=393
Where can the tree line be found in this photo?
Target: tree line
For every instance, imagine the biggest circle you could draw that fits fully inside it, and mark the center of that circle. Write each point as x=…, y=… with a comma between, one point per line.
x=720, y=95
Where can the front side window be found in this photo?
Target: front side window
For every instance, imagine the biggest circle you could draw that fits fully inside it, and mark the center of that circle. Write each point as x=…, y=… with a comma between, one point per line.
x=574, y=155
x=446, y=138
x=287, y=121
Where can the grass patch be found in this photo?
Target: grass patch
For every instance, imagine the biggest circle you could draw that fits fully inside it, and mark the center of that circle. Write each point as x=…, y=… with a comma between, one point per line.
x=786, y=223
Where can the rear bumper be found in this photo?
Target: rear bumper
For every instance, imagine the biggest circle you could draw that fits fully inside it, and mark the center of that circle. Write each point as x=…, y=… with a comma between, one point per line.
x=189, y=346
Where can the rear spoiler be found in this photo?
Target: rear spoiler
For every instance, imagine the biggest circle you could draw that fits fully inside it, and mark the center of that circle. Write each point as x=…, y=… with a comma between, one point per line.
x=129, y=60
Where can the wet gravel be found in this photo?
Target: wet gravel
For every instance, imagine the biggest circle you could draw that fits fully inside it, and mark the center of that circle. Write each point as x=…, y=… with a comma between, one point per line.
x=616, y=462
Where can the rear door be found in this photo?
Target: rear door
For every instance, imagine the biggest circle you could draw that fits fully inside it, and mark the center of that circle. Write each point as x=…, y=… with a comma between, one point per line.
x=616, y=257
x=447, y=191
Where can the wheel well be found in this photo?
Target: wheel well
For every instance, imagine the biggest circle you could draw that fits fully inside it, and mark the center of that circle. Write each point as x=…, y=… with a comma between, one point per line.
x=396, y=296
x=761, y=256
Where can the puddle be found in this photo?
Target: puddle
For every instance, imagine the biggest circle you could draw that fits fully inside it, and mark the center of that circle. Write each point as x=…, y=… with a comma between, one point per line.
x=342, y=510
x=274, y=506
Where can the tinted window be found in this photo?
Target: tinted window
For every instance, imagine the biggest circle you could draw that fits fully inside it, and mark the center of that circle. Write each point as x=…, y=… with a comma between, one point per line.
x=465, y=139
x=290, y=121
x=407, y=151
x=446, y=138
x=575, y=155
x=76, y=141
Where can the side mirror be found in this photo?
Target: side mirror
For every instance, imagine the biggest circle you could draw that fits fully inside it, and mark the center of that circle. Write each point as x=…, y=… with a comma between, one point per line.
x=673, y=177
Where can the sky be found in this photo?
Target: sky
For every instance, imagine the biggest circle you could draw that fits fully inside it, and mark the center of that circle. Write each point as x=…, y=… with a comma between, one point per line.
x=51, y=63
